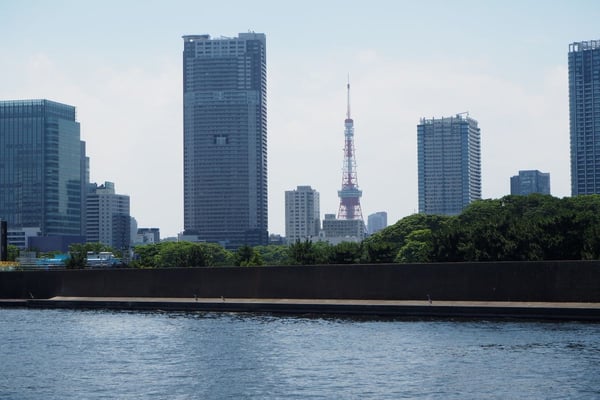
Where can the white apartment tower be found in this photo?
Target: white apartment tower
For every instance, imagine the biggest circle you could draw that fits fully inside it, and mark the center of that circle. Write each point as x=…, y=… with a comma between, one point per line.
x=107, y=217
x=302, y=212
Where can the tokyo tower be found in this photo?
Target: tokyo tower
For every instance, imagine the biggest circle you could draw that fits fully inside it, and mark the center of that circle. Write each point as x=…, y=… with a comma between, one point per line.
x=350, y=193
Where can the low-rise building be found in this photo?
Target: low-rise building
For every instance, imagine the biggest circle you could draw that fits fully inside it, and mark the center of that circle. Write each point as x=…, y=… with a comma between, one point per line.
x=342, y=230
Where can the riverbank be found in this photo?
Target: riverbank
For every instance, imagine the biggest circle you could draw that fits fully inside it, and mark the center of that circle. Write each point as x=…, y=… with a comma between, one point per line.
x=371, y=308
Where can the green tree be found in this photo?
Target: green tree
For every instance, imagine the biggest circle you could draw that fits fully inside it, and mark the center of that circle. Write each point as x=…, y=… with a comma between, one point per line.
x=12, y=252
x=216, y=255
x=146, y=256
x=376, y=252
x=384, y=245
x=77, y=256
x=180, y=254
x=322, y=252
x=246, y=256
x=309, y=253
x=345, y=253
x=417, y=248
x=273, y=254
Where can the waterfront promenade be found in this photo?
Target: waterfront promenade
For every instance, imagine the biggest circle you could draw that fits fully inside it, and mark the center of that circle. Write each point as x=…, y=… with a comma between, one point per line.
x=566, y=290
x=372, y=308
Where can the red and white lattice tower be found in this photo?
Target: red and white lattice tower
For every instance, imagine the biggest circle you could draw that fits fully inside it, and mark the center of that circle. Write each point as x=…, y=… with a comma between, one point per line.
x=350, y=193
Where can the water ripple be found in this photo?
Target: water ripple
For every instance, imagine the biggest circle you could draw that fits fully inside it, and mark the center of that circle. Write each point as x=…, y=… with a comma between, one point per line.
x=66, y=354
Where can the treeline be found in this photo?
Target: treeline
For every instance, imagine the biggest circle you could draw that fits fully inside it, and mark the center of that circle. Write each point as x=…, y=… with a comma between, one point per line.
x=187, y=254
x=513, y=228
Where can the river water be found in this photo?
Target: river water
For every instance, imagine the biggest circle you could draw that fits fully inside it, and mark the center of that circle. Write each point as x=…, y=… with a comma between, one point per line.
x=78, y=354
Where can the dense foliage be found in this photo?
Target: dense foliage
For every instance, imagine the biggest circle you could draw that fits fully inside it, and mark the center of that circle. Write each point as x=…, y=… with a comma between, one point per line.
x=534, y=227
x=513, y=228
x=180, y=254
x=410, y=236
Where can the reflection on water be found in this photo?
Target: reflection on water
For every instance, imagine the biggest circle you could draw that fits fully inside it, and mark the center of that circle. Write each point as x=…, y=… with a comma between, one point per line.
x=62, y=354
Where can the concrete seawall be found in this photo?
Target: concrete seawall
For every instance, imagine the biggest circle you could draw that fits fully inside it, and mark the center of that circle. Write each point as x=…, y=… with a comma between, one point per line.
x=560, y=281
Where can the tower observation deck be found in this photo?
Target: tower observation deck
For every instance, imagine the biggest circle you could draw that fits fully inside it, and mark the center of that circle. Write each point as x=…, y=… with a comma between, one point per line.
x=350, y=193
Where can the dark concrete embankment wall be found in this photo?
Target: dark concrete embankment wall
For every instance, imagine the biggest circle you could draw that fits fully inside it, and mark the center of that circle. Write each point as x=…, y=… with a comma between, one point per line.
x=563, y=281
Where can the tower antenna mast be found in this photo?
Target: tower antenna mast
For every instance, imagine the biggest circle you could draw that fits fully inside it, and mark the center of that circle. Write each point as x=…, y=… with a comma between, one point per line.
x=348, y=98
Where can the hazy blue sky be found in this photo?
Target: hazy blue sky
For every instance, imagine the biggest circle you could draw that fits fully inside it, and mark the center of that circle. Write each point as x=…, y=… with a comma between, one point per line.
x=119, y=63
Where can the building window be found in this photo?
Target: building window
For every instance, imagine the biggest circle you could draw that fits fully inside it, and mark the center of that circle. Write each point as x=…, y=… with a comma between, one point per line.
x=221, y=140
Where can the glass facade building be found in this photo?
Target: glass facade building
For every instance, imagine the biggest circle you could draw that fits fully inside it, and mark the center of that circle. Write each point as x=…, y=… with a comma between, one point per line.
x=225, y=139
x=377, y=221
x=449, y=164
x=584, y=116
x=43, y=167
x=531, y=181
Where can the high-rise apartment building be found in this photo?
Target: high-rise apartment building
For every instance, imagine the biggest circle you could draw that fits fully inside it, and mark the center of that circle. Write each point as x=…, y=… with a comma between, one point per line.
x=302, y=214
x=530, y=181
x=225, y=139
x=584, y=116
x=108, y=219
x=43, y=167
x=449, y=164
x=377, y=221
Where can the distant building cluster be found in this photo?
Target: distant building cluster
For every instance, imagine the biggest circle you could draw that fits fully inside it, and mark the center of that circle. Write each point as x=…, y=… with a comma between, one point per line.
x=46, y=198
x=47, y=201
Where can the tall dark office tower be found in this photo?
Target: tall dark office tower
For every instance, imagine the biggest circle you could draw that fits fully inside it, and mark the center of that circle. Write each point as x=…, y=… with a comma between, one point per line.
x=42, y=167
x=449, y=164
x=584, y=116
x=531, y=181
x=225, y=139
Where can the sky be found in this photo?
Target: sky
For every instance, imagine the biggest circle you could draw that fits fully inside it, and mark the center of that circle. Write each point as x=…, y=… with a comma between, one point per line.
x=120, y=64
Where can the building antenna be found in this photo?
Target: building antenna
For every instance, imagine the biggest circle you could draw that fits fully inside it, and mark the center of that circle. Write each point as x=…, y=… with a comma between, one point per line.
x=348, y=98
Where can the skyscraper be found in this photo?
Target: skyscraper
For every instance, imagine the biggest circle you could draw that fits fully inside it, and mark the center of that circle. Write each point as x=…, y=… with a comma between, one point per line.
x=302, y=214
x=43, y=167
x=449, y=164
x=584, y=116
x=531, y=181
x=225, y=139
